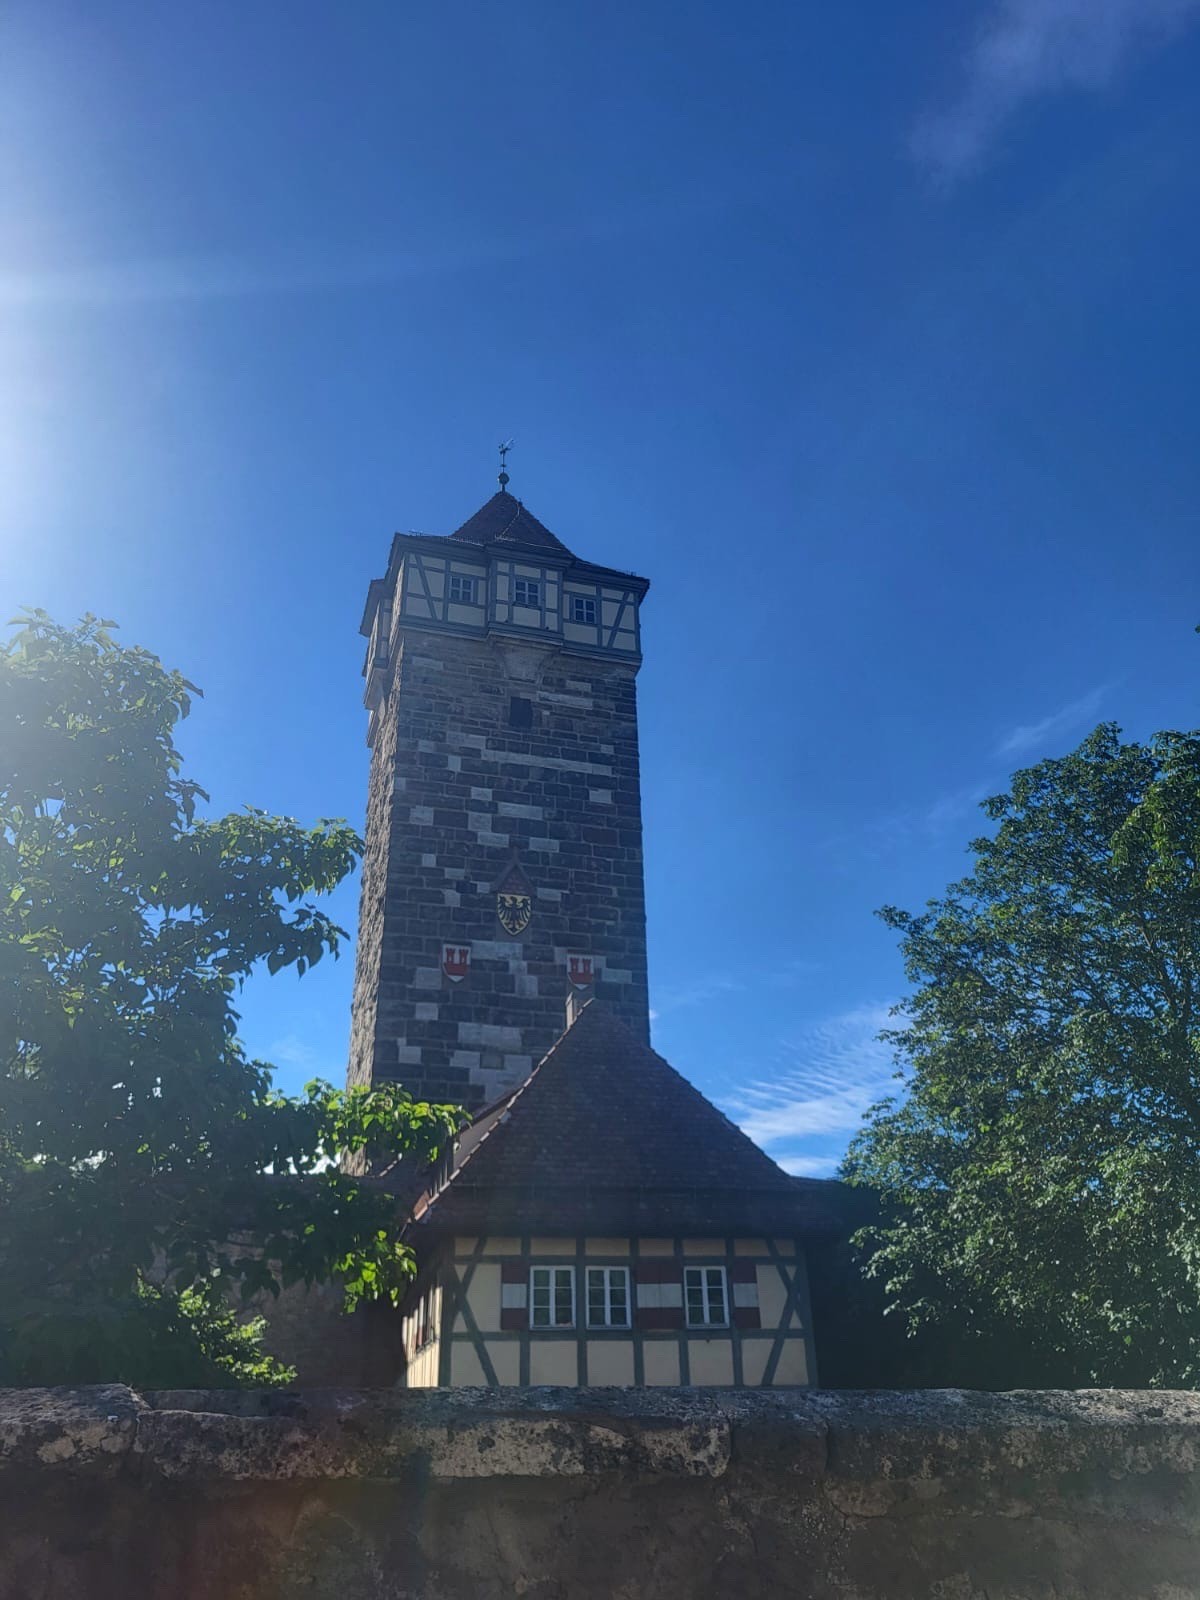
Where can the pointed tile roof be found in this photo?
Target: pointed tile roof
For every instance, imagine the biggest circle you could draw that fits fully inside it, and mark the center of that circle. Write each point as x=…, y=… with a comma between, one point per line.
x=604, y=1134
x=504, y=520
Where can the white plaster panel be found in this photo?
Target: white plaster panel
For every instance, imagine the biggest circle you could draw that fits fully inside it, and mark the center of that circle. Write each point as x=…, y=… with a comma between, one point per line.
x=660, y=1296
x=553, y=1361
x=754, y=1361
x=506, y=1360
x=610, y=1362
x=793, y=1364
x=465, y=1366
x=660, y=1362
x=711, y=1362
x=484, y=1296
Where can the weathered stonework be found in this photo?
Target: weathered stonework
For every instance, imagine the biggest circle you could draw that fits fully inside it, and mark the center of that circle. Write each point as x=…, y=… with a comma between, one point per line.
x=492, y=751
x=599, y=1495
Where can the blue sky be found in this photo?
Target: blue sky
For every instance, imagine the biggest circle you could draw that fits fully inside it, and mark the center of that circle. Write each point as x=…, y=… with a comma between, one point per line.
x=867, y=332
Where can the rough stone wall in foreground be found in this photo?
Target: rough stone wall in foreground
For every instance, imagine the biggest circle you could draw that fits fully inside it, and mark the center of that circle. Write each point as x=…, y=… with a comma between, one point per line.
x=578, y=1495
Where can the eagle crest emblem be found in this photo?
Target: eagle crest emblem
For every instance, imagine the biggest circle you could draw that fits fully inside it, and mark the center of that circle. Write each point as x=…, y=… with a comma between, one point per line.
x=514, y=901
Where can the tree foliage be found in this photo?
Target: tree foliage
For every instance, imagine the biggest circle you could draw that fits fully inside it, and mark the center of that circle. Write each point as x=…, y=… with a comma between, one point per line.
x=1041, y=1175
x=151, y=1180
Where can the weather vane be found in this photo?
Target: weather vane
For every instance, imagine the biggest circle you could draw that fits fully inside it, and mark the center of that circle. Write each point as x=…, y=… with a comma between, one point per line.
x=504, y=449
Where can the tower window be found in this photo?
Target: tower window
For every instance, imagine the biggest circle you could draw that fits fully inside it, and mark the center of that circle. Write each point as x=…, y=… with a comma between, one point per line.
x=608, y=1297
x=520, y=712
x=552, y=1297
x=583, y=608
x=462, y=589
x=705, y=1297
x=527, y=592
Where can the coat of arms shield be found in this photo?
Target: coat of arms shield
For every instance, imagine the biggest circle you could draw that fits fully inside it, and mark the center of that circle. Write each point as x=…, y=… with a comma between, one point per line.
x=456, y=961
x=514, y=900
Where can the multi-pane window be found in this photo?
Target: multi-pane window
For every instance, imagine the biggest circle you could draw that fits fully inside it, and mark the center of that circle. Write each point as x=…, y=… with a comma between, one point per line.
x=462, y=589
x=608, y=1297
x=552, y=1297
x=705, y=1297
x=583, y=608
x=527, y=592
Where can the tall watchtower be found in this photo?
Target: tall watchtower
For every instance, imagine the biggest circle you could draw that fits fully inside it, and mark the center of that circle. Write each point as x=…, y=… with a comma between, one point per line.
x=503, y=862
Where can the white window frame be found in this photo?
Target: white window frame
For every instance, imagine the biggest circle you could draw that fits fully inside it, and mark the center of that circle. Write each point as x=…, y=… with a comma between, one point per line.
x=532, y=588
x=584, y=609
x=464, y=582
x=690, y=1275
x=554, y=1277
x=610, y=1273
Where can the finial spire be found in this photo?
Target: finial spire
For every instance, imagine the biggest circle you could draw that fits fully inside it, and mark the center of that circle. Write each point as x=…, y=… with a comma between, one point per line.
x=503, y=477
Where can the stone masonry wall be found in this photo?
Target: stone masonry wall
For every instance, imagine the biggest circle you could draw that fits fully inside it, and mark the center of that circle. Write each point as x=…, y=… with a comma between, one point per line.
x=455, y=790
x=599, y=1495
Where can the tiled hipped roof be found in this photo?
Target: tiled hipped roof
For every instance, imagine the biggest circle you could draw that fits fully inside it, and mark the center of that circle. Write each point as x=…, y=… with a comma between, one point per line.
x=504, y=520
x=606, y=1135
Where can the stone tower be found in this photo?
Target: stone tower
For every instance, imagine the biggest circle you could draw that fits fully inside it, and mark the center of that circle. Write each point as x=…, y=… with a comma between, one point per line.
x=503, y=866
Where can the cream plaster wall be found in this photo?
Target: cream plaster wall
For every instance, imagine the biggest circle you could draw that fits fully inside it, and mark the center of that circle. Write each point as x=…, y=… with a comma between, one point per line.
x=710, y=1361
x=553, y=1361
x=610, y=1361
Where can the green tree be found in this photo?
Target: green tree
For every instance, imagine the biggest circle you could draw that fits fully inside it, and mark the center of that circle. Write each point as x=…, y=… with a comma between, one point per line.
x=1040, y=1176
x=151, y=1180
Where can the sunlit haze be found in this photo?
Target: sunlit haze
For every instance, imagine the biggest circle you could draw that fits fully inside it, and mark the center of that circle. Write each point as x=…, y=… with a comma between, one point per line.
x=872, y=357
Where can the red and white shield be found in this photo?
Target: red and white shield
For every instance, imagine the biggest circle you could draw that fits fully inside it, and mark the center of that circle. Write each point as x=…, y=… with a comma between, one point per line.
x=456, y=961
x=581, y=971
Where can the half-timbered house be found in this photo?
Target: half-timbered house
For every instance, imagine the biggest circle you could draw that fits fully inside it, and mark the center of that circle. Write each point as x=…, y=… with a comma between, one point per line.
x=604, y=1223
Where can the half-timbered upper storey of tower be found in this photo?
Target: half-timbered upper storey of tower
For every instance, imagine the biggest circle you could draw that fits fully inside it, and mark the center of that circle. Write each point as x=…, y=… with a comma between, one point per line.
x=502, y=573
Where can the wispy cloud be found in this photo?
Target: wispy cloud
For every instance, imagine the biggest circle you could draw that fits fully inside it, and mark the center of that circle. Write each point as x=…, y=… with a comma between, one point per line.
x=829, y=1074
x=684, y=996
x=1028, y=48
x=292, y=1051
x=1035, y=735
x=810, y=1166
